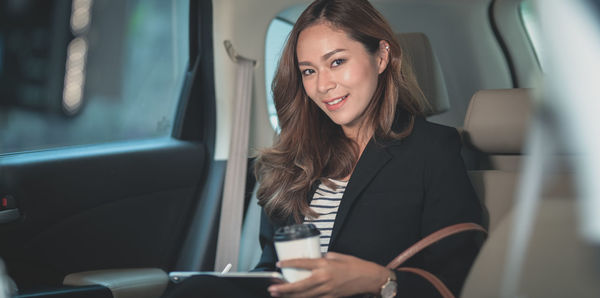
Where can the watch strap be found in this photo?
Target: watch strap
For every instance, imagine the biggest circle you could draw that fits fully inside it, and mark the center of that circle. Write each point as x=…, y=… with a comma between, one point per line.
x=390, y=282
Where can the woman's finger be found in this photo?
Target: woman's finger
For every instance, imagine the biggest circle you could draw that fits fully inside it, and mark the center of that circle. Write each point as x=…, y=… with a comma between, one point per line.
x=335, y=256
x=320, y=290
x=309, y=264
x=295, y=288
x=317, y=286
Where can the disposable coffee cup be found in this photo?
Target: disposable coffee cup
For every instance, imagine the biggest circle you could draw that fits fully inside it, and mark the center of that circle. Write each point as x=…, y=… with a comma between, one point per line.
x=294, y=242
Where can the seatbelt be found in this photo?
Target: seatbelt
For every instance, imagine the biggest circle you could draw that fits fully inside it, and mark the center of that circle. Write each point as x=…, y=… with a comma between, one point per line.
x=232, y=202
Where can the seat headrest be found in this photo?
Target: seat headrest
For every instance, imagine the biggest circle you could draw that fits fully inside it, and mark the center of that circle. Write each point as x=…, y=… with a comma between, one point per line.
x=497, y=120
x=427, y=69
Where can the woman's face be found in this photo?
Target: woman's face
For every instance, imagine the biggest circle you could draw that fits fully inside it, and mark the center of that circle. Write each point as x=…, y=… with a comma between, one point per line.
x=338, y=73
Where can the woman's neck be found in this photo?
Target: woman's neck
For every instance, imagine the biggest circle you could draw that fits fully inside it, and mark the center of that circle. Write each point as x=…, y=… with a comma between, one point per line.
x=361, y=137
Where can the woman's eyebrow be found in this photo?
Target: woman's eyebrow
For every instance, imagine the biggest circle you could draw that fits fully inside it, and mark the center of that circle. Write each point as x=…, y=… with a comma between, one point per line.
x=325, y=57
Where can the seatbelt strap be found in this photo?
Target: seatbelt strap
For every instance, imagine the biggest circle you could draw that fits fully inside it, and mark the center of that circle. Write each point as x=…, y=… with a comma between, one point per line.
x=232, y=202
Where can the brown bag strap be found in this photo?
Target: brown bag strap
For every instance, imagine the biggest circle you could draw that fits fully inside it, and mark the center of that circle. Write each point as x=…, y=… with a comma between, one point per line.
x=431, y=239
x=436, y=282
x=425, y=242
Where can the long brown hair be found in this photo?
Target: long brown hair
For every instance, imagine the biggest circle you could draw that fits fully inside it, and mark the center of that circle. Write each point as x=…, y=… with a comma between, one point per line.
x=310, y=146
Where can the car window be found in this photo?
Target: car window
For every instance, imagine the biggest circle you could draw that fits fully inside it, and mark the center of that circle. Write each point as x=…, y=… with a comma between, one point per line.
x=277, y=34
x=87, y=72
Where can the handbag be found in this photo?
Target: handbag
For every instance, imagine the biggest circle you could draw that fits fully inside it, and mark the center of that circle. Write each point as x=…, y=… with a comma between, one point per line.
x=425, y=242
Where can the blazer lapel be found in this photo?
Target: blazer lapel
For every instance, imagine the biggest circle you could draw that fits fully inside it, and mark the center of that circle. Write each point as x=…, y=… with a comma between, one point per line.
x=373, y=158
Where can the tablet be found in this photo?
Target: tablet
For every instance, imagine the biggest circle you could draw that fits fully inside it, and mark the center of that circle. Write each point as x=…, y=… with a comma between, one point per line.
x=256, y=280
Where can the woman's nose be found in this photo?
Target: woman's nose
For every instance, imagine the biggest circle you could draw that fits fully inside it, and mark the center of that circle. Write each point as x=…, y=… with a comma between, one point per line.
x=325, y=82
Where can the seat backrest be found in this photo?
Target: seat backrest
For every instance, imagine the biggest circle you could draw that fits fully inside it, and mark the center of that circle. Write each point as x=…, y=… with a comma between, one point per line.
x=494, y=130
x=496, y=125
x=418, y=54
x=494, y=134
x=558, y=263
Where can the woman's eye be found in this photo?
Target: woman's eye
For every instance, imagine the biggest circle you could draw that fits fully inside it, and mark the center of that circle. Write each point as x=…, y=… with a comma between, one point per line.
x=337, y=62
x=307, y=72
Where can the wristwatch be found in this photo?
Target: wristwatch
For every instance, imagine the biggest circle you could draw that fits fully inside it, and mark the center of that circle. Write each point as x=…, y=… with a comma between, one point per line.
x=390, y=287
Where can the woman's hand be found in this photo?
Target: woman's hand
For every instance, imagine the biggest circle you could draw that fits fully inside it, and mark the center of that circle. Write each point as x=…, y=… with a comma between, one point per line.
x=334, y=275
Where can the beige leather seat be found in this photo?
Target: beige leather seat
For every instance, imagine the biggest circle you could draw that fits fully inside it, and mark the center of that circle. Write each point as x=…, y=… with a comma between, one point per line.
x=495, y=129
x=557, y=262
x=496, y=124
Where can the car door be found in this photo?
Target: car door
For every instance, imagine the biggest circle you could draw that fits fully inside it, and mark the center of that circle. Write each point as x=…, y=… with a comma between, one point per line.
x=120, y=189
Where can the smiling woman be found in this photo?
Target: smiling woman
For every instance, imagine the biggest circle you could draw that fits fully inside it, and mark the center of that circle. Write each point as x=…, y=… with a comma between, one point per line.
x=348, y=111
x=333, y=51
x=356, y=156
x=342, y=81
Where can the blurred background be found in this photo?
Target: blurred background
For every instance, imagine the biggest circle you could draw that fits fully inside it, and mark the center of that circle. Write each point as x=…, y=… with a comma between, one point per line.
x=83, y=72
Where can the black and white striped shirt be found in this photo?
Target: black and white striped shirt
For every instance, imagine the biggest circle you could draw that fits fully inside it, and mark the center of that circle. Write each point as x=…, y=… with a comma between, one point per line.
x=326, y=202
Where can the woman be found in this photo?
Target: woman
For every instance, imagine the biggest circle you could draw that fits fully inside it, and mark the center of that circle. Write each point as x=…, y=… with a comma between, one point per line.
x=356, y=157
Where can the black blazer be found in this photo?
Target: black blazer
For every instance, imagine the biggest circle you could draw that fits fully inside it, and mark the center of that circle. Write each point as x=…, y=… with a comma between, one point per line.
x=400, y=192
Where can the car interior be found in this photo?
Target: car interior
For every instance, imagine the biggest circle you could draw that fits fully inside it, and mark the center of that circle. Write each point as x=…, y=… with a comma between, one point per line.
x=128, y=131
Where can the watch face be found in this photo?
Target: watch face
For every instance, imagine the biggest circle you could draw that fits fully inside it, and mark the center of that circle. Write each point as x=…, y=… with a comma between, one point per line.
x=389, y=289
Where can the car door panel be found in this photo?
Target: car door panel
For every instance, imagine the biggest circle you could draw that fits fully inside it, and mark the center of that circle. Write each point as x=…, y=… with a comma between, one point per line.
x=122, y=207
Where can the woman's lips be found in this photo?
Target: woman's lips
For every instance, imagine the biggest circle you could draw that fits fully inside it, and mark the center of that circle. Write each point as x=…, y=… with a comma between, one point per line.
x=337, y=103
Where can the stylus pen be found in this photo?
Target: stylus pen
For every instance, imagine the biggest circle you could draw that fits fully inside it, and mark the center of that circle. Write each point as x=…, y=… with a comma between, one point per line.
x=227, y=268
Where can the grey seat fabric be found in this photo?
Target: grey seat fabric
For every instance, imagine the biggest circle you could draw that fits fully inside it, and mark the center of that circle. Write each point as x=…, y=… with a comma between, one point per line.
x=419, y=54
x=250, y=250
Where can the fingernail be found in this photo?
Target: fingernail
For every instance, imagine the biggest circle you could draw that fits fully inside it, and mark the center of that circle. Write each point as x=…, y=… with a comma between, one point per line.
x=278, y=264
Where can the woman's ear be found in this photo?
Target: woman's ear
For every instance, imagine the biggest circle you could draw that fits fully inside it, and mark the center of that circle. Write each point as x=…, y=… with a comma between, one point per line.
x=383, y=55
